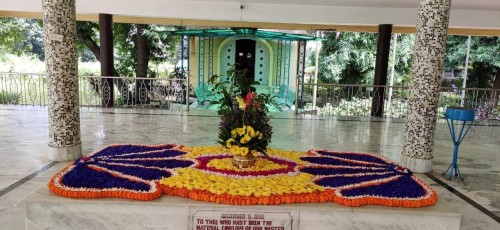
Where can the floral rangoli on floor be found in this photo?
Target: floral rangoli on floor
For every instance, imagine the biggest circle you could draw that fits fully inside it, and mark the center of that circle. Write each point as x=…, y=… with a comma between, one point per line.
x=145, y=172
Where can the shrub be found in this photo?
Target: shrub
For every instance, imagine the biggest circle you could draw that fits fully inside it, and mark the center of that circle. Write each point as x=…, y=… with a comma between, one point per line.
x=9, y=98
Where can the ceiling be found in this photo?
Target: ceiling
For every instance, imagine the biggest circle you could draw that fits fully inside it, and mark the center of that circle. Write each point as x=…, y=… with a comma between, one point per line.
x=456, y=4
x=354, y=15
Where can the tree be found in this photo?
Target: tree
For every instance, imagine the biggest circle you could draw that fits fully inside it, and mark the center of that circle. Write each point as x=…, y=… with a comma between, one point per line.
x=484, y=55
x=160, y=46
x=135, y=45
x=347, y=58
x=87, y=39
x=142, y=51
x=484, y=65
x=21, y=36
x=142, y=59
x=404, y=59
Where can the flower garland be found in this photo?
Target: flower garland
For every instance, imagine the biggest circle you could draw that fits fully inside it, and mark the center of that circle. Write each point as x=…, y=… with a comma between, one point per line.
x=143, y=172
x=273, y=199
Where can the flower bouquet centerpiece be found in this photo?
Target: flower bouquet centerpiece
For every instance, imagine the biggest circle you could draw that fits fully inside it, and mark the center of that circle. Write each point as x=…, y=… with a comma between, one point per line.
x=244, y=127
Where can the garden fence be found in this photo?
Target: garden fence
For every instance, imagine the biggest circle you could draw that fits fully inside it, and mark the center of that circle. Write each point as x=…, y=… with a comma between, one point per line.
x=173, y=94
x=97, y=91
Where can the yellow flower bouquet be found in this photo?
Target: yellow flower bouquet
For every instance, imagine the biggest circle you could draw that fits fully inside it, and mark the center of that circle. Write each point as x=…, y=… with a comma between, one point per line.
x=244, y=127
x=243, y=135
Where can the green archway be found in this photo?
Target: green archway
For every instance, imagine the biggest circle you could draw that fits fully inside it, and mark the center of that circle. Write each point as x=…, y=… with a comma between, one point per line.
x=263, y=59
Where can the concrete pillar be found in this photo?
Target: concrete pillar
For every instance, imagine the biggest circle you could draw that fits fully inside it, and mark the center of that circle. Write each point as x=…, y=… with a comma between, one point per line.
x=301, y=66
x=428, y=54
x=107, y=62
x=381, y=65
x=61, y=62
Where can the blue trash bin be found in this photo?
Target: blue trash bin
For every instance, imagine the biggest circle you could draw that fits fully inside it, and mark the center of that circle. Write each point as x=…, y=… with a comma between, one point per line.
x=457, y=118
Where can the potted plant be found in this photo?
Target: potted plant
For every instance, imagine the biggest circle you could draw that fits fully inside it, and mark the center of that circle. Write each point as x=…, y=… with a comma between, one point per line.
x=244, y=128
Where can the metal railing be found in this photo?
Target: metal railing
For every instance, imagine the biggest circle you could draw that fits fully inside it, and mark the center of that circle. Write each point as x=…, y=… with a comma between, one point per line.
x=173, y=94
x=23, y=89
x=356, y=100
x=106, y=92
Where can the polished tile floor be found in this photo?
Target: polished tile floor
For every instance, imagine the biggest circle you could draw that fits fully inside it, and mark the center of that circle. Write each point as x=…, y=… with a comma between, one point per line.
x=24, y=139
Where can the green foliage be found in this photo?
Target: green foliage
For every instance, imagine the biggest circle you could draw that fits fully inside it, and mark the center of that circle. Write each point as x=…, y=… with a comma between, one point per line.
x=481, y=75
x=241, y=107
x=361, y=107
x=9, y=98
x=87, y=35
x=25, y=37
x=161, y=46
x=449, y=99
x=484, y=58
x=238, y=84
x=124, y=36
x=404, y=59
x=21, y=36
x=347, y=57
x=11, y=31
x=483, y=49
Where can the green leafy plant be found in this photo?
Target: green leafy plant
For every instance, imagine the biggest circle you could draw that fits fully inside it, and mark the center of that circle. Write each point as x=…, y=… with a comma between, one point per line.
x=9, y=98
x=244, y=127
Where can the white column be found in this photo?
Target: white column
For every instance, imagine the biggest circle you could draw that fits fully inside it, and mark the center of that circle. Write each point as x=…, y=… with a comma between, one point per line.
x=391, y=79
x=315, y=87
x=464, y=83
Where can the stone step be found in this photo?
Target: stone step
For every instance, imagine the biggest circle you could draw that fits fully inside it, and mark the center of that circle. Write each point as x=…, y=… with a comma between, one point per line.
x=46, y=210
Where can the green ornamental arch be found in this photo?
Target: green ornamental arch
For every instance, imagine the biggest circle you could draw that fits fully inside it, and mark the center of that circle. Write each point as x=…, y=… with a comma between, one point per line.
x=263, y=59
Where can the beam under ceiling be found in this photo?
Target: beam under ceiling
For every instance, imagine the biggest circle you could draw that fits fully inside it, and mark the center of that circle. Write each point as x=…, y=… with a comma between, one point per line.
x=258, y=25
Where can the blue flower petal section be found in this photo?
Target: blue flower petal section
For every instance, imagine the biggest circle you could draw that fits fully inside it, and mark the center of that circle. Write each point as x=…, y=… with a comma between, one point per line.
x=85, y=177
x=121, y=149
x=332, y=161
x=354, y=156
x=322, y=171
x=339, y=181
x=403, y=187
x=137, y=171
x=161, y=154
x=170, y=163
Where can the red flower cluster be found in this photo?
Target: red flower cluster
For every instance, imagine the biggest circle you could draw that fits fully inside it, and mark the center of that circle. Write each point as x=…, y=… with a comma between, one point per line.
x=249, y=100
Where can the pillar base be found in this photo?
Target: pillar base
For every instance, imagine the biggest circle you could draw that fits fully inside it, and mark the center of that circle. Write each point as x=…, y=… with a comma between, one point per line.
x=67, y=153
x=416, y=165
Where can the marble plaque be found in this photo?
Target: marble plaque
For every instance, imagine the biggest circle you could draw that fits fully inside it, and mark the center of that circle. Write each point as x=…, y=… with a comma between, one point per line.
x=241, y=220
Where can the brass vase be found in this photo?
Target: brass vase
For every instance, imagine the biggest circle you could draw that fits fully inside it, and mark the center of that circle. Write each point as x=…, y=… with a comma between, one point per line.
x=244, y=161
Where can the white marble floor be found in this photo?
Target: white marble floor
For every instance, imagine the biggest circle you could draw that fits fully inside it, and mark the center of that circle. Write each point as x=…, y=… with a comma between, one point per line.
x=24, y=138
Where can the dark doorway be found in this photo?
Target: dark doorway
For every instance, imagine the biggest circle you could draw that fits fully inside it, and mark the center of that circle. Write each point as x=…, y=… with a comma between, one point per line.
x=245, y=56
